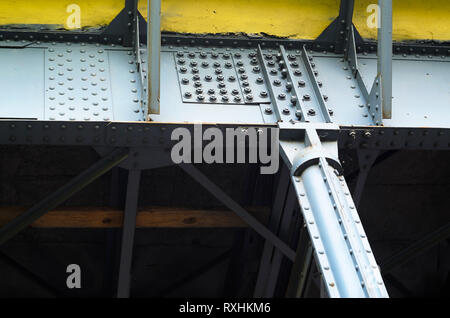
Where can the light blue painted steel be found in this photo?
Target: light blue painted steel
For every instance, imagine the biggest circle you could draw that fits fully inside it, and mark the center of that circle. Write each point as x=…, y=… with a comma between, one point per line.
x=154, y=45
x=21, y=83
x=421, y=94
x=317, y=91
x=126, y=90
x=421, y=90
x=342, y=251
x=77, y=83
x=340, y=260
x=349, y=104
x=174, y=110
x=385, y=57
x=212, y=68
x=297, y=93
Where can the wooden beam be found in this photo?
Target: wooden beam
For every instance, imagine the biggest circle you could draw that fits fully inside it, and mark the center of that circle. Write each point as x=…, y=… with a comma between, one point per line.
x=151, y=217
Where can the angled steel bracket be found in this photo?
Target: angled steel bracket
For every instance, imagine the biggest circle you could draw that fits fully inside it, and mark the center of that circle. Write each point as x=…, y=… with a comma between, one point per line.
x=379, y=99
x=124, y=23
x=337, y=31
x=141, y=67
x=341, y=249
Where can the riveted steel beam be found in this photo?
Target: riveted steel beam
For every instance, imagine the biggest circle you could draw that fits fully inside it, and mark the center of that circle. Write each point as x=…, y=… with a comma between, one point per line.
x=141, y=67
x=312, y=76
x=343, y=254
x=274, y=103
x=352, y=58
x=300, y=105
x=157, y=135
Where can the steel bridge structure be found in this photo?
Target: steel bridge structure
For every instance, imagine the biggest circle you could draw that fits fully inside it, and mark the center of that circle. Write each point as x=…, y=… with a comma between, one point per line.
x=124, y=90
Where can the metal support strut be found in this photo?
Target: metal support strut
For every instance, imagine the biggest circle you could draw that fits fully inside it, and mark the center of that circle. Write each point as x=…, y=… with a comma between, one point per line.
x=240, y=211
x=385, y=56
x=380, y=98
x=129, y=226
x=341, y=249
x=154, y=47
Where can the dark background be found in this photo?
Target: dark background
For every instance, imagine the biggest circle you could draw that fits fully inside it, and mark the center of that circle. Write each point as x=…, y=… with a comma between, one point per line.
x=406, y=197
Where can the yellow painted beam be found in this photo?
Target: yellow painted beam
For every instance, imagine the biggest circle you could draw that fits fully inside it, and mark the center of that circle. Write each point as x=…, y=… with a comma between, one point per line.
x=299, y=19
x=93, y=13
x=412, y=19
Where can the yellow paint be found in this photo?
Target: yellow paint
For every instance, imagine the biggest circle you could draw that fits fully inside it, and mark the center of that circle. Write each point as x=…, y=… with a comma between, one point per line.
x=93, y=12
x=286, y=18
x=299, y=19
x=427, y=20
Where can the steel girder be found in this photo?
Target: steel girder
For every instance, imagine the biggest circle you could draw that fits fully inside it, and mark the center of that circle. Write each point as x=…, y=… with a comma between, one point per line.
x=279, y=83
x=341, y=249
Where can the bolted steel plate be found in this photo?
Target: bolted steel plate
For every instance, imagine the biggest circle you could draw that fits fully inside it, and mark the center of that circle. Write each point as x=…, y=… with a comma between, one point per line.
x=220, y=78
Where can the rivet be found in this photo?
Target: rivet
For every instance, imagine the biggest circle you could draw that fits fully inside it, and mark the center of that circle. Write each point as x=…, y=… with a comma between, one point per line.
x=268, y=110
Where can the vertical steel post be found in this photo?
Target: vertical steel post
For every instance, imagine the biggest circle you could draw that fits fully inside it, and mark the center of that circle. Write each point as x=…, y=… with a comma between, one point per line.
x=153, y=48
x=129, y=226
x=385, y=56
